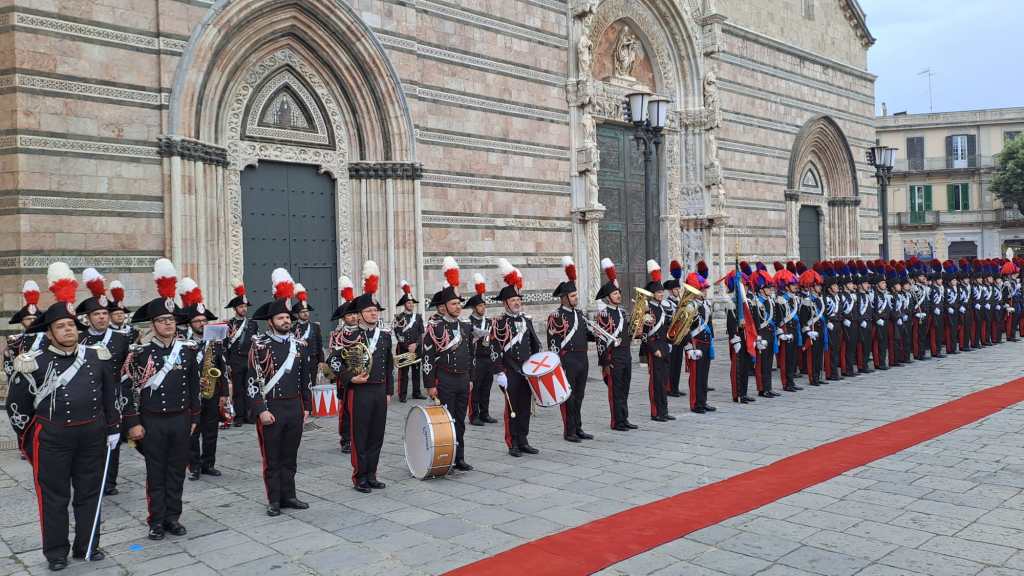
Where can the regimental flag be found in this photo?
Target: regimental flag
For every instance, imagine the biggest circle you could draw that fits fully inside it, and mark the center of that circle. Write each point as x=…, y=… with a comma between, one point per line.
x=743, y=315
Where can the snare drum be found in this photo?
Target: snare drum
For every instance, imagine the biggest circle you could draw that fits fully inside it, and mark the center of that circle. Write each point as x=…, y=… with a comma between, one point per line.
x=429, y=441
x=547, y=379
x=325, y=400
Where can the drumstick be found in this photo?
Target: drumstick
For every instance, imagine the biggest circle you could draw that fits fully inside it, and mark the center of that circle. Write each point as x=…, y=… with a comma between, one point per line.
x=512, y=413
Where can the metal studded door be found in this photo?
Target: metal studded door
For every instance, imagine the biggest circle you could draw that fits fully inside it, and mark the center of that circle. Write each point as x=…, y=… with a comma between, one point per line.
x=288, y=221
x=621, y=191
x=810, y=234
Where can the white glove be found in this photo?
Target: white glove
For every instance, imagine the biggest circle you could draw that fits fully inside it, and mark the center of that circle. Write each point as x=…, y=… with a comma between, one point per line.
x=737, y=343
x=761, y=344
x=880, y=322
x=846, y=323
x=694, y=354
x=950, y=310
x=962, y=310
x=998, y=307
x=112, y=440
x=988, y=306
x=899, y=321
x=779, y=332
x=977, y=306
x=786, y=337
x=863, y=323
x=813, y=334
x=920, y=314
x=501, y=380
x=830, y=326
x=905, y=317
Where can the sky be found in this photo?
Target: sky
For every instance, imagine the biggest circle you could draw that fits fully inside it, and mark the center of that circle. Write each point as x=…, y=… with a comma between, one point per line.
x=974, y=49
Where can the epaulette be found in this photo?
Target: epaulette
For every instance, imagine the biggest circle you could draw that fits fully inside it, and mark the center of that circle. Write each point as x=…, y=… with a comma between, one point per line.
x=26, y=363
x=101, y=351
x=435, y=320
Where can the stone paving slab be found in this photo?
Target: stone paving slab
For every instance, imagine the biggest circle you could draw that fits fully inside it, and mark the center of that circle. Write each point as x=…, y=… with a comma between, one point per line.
x=885, y=518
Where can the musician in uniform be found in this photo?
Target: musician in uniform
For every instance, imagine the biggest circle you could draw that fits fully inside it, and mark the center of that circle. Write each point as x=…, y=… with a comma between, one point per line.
x=98, y=332
x=240, y=333
x=699, y=346
x=787, y=328
x=850, y=311
x=163, y=407
x=741, y=359
x=813, y=325
x=972, y=320
x=865, y=314
x=280, y=395
x=63, y=404
x=568, y=335
x=882, y=311
x=119, y=314
x=514, y=340
x=763, y=308
x=483, y=352
x=365, y=364
x=613, y=354
x=1010, y=293
x=656, y=345
x=409, y=334
x=952, y=305
x=937, y=310
x=24, y=341
x=343, y=333
x=308, y=331
x=920, y=307
x=671, y=304
x=214, y=387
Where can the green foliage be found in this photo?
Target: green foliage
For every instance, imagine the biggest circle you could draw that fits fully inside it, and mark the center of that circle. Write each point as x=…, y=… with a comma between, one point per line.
x=1008, y=179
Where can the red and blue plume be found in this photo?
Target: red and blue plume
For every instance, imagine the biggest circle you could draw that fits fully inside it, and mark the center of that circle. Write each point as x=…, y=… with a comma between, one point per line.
x=702, y=269
x=696, y=280
x=745, y=268
x=675, y=269
x=778, y=266
x=761, y=267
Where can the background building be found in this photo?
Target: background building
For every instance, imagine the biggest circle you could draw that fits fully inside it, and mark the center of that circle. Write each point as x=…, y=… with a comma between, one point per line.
x=239, y=135
x=939, y=198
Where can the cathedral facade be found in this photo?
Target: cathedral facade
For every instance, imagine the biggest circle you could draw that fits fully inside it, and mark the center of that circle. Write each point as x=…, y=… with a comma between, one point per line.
x=236, y=136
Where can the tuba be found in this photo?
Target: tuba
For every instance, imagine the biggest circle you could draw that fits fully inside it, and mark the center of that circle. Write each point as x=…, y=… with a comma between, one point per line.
x=641, y=298
x=210, y=375
x=683, y=318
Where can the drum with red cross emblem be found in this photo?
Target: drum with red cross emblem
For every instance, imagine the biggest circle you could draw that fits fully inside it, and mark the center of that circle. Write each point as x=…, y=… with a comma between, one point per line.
x=547, y=379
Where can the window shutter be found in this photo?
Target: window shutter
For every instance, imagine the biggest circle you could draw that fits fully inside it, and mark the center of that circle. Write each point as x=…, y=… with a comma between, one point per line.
x=928, y=197
x=911, y=207
x=972, y=150
x=915, y=153
x=965, y=195
x=949, y=152
x=950, y=201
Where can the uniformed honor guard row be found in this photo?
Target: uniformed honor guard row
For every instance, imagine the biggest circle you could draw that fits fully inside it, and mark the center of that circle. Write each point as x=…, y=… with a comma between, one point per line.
x=84, y=378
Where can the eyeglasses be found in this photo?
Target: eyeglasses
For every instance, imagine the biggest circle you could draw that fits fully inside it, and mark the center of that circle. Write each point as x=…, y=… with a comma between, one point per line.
x=165, y=320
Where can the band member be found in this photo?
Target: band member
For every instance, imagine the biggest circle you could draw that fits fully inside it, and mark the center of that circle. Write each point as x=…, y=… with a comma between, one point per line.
x=448, y=357
x=613, y=354
x=366, y=365
x=656, y=345
x=163, y=406
x=308, y=331
x=993, y=283
x=514, y=341
x=1010, y=294
x=952, y=304
x=25, y=341
x=568, y=335
x=920, y=308
x=96, y=310
x=763, y=308
x=851, y=319
x=483, y=363
x=119, y=314
x=409, y=334
x=339, y=336
x=882, y=312
x=280, y=394
x=866, y=315
x=835, y=357
x=787, y=329
x=813, y=325
x=671, y=303
x=62, y=402
x=214, y=387
x=699, y=346
x=240, y=333
x=737, y=307
x=972, y=321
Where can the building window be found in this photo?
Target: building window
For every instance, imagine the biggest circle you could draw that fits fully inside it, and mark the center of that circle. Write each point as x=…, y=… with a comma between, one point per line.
x=915, y=153
x=1007, y=136
x=808, y=9
x=958, y=197
x=961, y=150
x=920, y=198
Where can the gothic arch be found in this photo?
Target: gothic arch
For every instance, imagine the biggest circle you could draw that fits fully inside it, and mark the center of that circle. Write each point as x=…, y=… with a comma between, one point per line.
x=319, y=56
x=821, y=148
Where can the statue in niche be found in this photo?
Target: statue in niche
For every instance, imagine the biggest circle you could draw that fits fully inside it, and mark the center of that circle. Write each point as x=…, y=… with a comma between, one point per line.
x=589, y=130
x=711, y=99
x=627, y=52
x=585, y=49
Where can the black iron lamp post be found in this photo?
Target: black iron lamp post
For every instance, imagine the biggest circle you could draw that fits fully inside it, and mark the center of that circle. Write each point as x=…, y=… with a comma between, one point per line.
x=648, y=113
x=882, y=158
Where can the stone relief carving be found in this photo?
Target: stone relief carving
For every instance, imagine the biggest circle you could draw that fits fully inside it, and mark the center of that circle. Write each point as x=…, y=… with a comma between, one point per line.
x=242, y=153
x=627, y=52
x=711, y=103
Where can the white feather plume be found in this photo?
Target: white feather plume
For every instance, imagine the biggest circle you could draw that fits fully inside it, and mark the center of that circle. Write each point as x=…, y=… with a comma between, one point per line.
x=164, y=268
x=30, y=286
x=58, y=271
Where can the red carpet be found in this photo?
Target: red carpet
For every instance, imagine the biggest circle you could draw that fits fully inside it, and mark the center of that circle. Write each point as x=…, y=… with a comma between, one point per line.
x=601, y=543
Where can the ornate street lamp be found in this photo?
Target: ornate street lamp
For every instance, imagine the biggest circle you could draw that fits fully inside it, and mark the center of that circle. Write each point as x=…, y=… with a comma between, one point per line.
x=882, y=159
x=648, y=114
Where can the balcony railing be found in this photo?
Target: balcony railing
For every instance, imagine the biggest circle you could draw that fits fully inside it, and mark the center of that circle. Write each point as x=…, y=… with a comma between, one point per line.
x=933, y=218
x=943, y=163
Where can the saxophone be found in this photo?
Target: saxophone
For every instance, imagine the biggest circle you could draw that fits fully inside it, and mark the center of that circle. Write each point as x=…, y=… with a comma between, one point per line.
x=210, y=376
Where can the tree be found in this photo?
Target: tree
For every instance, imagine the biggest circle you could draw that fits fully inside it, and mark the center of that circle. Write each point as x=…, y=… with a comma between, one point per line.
x=1008, y=178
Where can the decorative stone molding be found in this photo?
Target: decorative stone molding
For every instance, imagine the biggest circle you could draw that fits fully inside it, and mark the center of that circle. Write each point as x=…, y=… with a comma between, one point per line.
x=854, y=201
x=385, y=171
x=487, y=104
x=497, y=222
x=189, y=149
x=472, y=261
x=27, y=142
x=445, y=179
x=792, y=195
x=67, y=87
x=105, y=262
x=445, y=138
x=481, y=21
x=97, y=32
x=318, y=134
x=28, y=201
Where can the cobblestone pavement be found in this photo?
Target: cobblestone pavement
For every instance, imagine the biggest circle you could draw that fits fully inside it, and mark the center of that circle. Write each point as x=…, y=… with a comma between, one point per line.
x=950, y=506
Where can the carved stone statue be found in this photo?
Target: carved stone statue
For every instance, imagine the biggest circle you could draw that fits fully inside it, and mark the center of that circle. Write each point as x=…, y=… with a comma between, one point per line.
x=584, y=54
x=711, y=103
x=589, y=129
x=627, y=52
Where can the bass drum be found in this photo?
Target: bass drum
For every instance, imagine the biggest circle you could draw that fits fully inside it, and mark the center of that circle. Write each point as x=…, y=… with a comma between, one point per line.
x=429, y=441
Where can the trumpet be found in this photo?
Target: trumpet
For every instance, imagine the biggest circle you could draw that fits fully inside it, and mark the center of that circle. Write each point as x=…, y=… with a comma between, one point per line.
x=406, y=359
x=603, y=334
x=641, y=298
x=683, y=318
